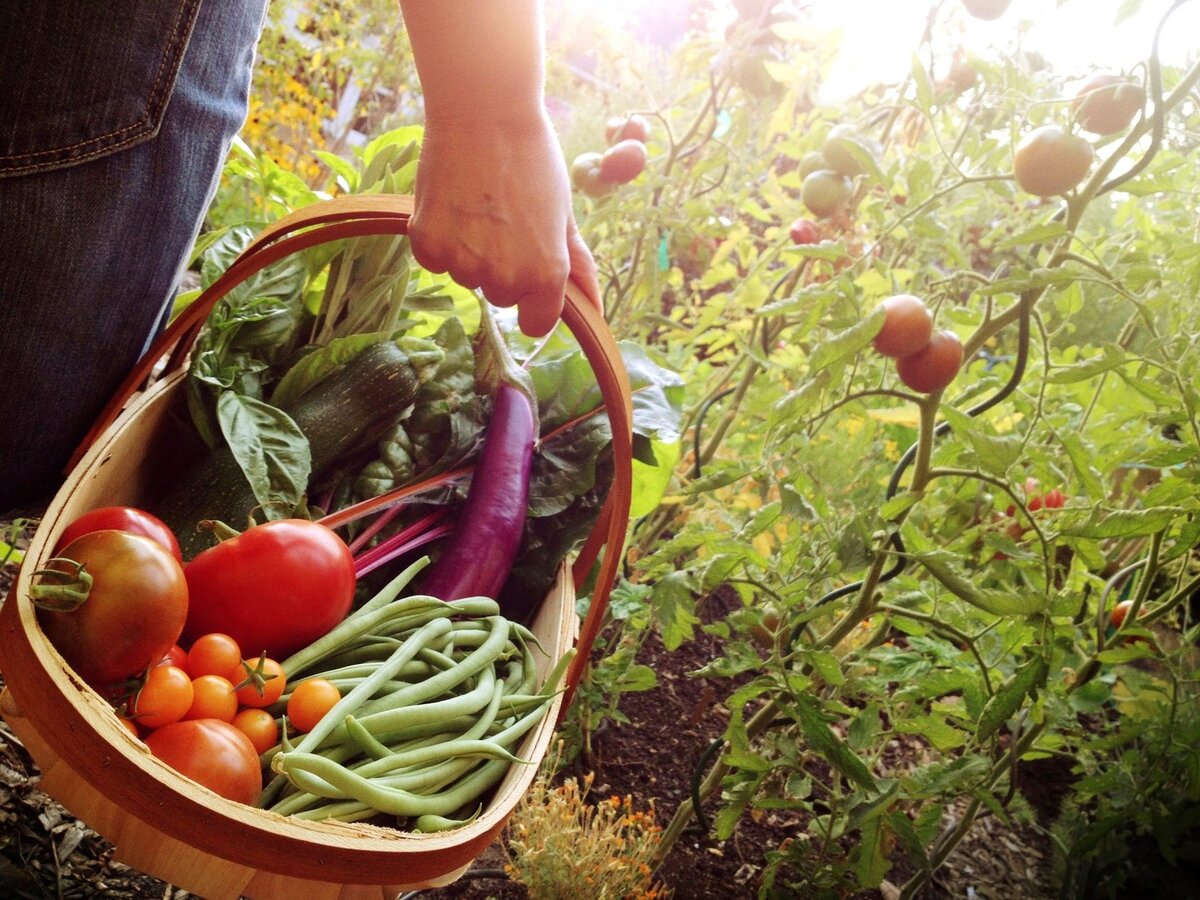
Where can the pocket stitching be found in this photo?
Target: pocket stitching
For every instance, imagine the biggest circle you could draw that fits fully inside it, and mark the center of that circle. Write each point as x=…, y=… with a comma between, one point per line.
x=144, y=127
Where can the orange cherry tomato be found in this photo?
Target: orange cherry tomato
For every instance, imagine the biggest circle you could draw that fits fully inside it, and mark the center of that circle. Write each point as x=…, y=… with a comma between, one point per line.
x=259, y=682
x=164, y=698
x=213, y=697
x=213, y=654
x=309, y=702
x=212, y=753
x=258, y=725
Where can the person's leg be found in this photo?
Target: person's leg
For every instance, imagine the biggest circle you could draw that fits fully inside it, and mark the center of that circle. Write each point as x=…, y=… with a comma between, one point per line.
x=91, y=252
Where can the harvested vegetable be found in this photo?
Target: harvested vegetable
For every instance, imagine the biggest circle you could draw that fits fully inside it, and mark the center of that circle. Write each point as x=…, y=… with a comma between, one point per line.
x=273, y=588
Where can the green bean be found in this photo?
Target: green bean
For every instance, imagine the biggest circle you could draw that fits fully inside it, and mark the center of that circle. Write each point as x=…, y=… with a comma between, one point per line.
x=428, y=824
x=394, y=801
x=355, y=698
x=365, y=740
x=475, y=662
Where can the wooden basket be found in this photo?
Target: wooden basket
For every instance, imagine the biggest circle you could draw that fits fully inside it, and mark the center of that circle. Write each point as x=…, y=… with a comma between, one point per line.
x=168, y=826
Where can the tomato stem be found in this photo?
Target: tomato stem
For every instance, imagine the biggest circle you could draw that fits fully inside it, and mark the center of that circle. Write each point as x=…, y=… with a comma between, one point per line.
x=67, y=594
x=219, y=529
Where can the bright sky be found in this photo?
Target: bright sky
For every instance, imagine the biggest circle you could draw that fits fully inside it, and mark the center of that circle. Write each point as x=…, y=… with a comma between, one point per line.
x=880, y=35
x=1077, y=35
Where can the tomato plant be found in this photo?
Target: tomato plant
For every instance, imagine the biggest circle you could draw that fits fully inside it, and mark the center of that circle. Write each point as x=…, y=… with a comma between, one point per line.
x=212, y=753
x=1050, y=161
x=165, y=697
x=276, y=587
x=122, y=518
x=311, y=699
x=112, y=603
x=907, y=326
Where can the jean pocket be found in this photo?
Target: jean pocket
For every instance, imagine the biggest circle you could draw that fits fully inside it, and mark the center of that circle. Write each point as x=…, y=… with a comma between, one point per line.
x=84, y=78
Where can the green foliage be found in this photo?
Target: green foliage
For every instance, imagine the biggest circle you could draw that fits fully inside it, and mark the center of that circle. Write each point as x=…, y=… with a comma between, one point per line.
x=901, y=574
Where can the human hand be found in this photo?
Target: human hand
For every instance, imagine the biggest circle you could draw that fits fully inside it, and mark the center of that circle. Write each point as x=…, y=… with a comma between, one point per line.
x=493, y=210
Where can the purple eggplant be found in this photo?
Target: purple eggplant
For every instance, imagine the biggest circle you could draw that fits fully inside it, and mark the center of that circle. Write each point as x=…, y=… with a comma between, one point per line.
x=480, y=551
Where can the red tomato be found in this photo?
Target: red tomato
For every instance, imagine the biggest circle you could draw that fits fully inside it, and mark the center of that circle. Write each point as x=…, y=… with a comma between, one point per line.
x=1107, y=103
x=122, y=518
x=176, y=656
x=623, y=162
x=1034, y=503
x=907, y=326
x=1119, y=612
x=260, y=682
x=310, y=700
x=933, y=368
x=212, y=753
x=632, y=127
x=134, y=609
x=1049, y=161
x=260, y=726
x=1054, y=499
x=213, y=654
x=164, y=698
x=275, y=588
x=803, y=231
x=213, y=697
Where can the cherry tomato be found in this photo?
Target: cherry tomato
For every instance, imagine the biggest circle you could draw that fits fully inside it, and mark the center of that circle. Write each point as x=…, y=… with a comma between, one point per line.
x=934, y=367
x=275, y=588
x=176, y=656
x=825, y=192
x=164, y=698
x=1034, y=503
x=623, y=161
x=585, y=175
x=1107, y=103
x=1049, y=161
x=631, y=127
x=134, y=607
x=907, y=326
x=309, y=702
x=1054, y=499
x=212, y=753
x=213, y=654
x=122, y=518
x=803, y=231
x=260, y=682
x=1119, y=612
x=213, y=697
x=258, y=725
x=130, y=726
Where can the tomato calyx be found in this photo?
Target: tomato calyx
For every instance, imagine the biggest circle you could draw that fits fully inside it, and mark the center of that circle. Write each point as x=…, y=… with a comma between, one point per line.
x=218, y=529
x=257, y=675
x=68, y=593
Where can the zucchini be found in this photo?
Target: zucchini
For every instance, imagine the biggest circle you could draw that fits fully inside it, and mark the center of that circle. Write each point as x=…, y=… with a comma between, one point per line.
x=345, y=413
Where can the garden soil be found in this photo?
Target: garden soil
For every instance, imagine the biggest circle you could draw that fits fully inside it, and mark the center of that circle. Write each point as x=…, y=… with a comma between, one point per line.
x=46, y=853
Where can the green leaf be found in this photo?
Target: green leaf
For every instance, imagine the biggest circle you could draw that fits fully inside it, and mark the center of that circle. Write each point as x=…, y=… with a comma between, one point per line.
x=1111, y=357
x=864, y=727
x=869, y=858
x=823, y=741
x=1003, y=704
x=1000, y=603
x=1039, y=234
x=271, y=450
x=1112, y=523
x=846, y=343
x=994, y=453
x=674, y=605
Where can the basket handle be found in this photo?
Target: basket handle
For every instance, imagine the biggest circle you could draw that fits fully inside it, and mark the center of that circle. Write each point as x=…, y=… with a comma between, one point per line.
x=364, y=215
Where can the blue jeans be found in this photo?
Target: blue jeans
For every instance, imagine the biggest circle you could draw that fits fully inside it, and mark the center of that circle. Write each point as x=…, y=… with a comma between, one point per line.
x=118, y=115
